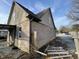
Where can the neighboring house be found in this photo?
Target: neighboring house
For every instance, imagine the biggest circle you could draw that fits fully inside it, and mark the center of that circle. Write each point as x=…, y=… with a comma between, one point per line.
x=75, y=34
x=34, y=30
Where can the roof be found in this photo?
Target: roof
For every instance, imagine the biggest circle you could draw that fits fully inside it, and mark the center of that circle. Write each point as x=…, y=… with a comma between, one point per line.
x=5, y=26
x=13, y=4
x=31, y=14
x=40, y=15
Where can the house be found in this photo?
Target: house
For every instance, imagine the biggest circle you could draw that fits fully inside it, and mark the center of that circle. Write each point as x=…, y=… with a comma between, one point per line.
x=27, y=30
x=31, y=29
x=75, y=34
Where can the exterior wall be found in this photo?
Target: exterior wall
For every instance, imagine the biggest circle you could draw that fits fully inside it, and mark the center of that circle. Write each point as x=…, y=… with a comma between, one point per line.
x=74, y=34
x=19, y=19
x=44, y=30
x=47, y=19
x=44, y=34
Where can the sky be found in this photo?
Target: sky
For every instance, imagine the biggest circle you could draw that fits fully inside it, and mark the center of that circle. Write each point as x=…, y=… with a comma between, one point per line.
x=59, y=8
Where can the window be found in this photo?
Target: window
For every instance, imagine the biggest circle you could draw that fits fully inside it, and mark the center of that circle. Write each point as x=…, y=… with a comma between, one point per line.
x=20, y=32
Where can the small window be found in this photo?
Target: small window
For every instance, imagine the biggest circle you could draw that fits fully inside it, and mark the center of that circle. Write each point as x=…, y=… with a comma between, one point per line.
x=20, y=32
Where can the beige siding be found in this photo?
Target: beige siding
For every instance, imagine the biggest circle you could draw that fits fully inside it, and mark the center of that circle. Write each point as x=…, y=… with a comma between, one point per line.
x=19, y=19
x=18, y=14
x=44, y=34
x=23, y=41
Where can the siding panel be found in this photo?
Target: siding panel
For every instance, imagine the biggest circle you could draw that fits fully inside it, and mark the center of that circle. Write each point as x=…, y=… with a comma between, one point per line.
x=44, y=34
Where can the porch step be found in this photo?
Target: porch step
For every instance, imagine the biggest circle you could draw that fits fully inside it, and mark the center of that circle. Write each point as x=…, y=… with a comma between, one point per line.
x=58, y=52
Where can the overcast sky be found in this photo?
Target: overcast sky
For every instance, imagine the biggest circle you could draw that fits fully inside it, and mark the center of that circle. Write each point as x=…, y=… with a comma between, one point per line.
x=59, y=9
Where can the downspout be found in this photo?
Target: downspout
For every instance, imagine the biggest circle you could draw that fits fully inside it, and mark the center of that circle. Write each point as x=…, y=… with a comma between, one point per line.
x=30, y=41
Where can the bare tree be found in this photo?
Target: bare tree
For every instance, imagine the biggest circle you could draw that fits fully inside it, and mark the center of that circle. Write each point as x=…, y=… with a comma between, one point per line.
x=74, y=12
